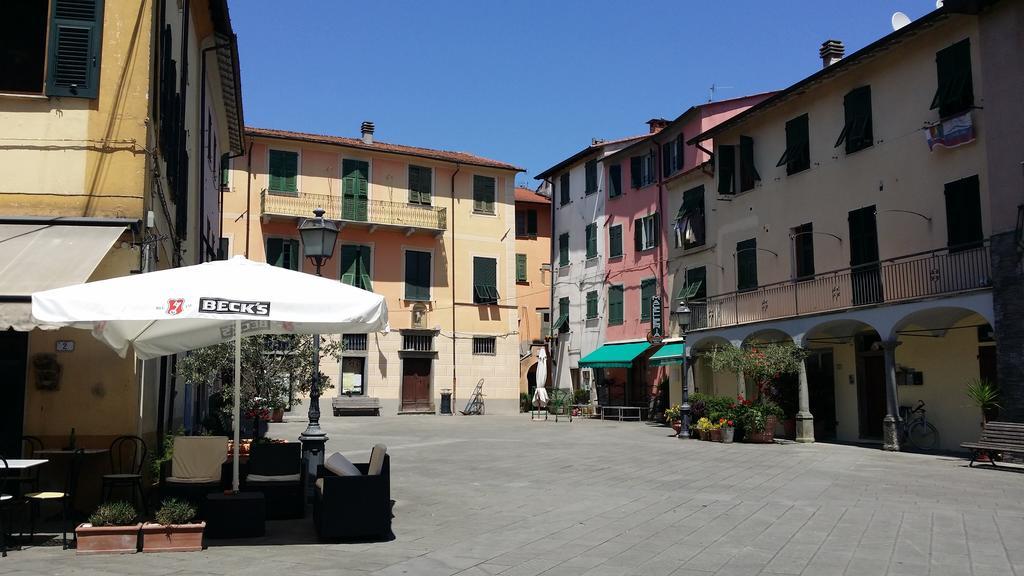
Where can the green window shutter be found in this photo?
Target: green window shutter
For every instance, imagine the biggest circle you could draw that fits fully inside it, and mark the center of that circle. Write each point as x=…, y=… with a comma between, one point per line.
x=591, y=170
x=635, y=171
x=797, y=157
x=615, y=313
x=591, y=304
x=646, y=293
x=638, y=234
x=857, y=129
x=420, y=183
x=863, y=236
x=656, y=227
x=349, y=259
x=591, y=231
x=417, y=275
x=563, y=249
x=563, y=307
x=521, y=268
x=803, y=247
x=726, y=169
x=485, y=280
x=283, y=169
x=563, y=189
x=615, y=241
x=963, y=214
x=364, y=268
x=746, y=264
x=292, y=249
x=225, y=167
x=696, y=277
x=274, y=171
x=666, y=159
x=955, y=92
x=748, y=173
x=483, y=194
x=615, y=180
x=531, y=222
x=275, y=252
x=76, y=40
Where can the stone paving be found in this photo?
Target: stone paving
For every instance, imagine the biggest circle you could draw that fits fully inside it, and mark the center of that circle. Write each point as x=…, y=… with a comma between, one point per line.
x=504, y=495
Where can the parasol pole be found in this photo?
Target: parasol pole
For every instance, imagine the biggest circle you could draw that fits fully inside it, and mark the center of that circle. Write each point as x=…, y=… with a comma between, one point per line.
x=238, y=416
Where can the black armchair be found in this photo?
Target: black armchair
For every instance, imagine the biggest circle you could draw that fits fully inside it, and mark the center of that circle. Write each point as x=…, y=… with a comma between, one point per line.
x=276, y=470
x=353, y=507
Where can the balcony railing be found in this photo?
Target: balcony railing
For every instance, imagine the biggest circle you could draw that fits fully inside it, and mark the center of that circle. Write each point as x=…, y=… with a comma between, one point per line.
x=902, y=279
x=374, y=212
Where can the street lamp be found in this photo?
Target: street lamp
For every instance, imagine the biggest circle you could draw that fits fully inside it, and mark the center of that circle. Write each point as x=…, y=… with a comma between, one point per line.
x=682, y=314
x=318, y=239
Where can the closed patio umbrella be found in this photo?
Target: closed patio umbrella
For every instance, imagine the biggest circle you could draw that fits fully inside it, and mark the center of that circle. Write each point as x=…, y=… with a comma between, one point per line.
x=191, y=307
x=540, y=395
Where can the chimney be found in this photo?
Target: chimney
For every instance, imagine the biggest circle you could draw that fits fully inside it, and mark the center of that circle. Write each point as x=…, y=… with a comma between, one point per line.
x=657, y=124
x=367, y=130
x=831, y=52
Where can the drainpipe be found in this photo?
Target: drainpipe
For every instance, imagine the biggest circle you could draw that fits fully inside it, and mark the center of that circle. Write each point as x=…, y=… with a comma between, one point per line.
x=202, y=145
x=454, y=260
x=551, y=293
x=248, y=198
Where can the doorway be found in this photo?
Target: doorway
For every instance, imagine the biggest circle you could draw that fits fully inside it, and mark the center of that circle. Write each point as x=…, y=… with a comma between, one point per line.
x=353, y=376
x=416, y=385
x=870, y=386
x=13, y=367
x=865, y=274
x=821, y=389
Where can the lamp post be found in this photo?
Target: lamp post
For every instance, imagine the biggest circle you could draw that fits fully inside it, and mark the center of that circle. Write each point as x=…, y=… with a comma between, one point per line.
x=682, y=314
x=318, y=239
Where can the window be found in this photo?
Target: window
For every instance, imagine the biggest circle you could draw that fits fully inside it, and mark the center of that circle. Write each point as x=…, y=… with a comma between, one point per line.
x=645, y=233
x=485, y=280
x=591, y=231
x=354, y=342
x=963, y=214
x=417, y=342
x=224, y=248
x=521, y=268
x=696, y=287
x=803, y=250
x=955, y=92
x=355, y=266
x=672, y=156
x=748, y=173
x=545, y=320
x=689, y=226
x=563, y=249
x=591, y=304
x=646, y=294
x=615, y=241
x=591, y=170
x=746, y=265
x=486, y=345
x=563, y=313
x=615, y=305
x=284, y=170
x=421, y=182
x=355, y=189
x=483, y=194
x=563, y=189
x=526, y=223
x=283, y=253
x=857, y=131
x=726, y=169
x=225, y=171
x=641, y=170
x=797, y=156
x=615, y=180
x=417, y=275
x=65, y=65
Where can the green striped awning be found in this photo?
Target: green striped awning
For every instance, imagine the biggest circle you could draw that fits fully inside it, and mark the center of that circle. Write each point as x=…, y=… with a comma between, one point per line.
x=668, y=354
x=614, y=355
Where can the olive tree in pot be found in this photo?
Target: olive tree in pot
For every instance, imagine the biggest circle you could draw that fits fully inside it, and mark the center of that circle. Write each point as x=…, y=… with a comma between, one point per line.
x=174, y=530
x=111, y=529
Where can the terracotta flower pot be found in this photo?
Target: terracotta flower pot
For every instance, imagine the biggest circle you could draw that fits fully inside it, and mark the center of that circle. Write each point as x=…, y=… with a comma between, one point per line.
x=766, y=436
x=277, y=415
x=174, y=538
x=716, y=435
x=705, y=434
x=107, y=539
x=677, y=425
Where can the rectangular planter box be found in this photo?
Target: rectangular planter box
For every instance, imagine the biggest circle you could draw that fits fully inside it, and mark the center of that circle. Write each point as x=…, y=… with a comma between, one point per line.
x=176, y=538
x=107, y=539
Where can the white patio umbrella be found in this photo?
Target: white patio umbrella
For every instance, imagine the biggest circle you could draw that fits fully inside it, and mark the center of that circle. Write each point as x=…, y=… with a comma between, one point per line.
x=540, y=395
x=182, y=309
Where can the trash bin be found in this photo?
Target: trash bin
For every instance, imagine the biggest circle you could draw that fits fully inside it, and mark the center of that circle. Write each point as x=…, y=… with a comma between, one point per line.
x=446, y=401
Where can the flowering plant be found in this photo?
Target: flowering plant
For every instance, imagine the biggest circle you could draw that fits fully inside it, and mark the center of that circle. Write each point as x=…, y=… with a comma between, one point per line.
x=672, y=414
x=704, y=424
x=725, y=423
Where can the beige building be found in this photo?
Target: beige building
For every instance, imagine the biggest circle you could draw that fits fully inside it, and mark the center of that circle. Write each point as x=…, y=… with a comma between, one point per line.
x=115, y=116
x=834, y=221
x=533, y=280
x=430, y=230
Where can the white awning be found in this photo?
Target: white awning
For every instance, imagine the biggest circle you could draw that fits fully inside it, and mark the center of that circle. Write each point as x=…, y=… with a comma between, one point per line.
x=36, y=257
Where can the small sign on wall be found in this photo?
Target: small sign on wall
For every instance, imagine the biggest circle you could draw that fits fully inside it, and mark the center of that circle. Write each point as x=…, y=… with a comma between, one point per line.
x=65, y=345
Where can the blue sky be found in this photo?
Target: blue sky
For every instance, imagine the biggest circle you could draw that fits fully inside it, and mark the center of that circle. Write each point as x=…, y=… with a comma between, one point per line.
x=526, y=81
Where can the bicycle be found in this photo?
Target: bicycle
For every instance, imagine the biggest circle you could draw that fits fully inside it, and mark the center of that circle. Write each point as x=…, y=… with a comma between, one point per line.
x=916, y=429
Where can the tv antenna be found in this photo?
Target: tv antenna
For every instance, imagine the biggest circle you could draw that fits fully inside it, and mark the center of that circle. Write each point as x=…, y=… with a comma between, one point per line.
x=899, y=20
x=711, y=91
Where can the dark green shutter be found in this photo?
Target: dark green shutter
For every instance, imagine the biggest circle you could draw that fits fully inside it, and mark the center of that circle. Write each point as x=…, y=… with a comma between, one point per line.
x=857, y=129
x=417, y=275
x=293, y=254
x=863, y=236
x=76, y=40
x=591, y=231
x=963, y=214
x=726, y=169
x=697, y=276
x=646, y=293
x=797, y=156
x=364, y=269
x=666, y=156
x=283, y=169
x=563, y=189
x=955, y=91
x=591, y=170
x=746, y=264
x=635, y=168
x=615, y=241
x=420, y=185
x=275, y=252
x=531, y=222
x=349, y=257
x=225, y=167
x=638, y=234
x=615, y=180
x=521, y=268
x=485, y=280
x=592, y=304
x=748, y=173
x=563, y=249
x=656, y=239
x=615, y=313
x=483, y=194
x=354, y=189
x=803, y=244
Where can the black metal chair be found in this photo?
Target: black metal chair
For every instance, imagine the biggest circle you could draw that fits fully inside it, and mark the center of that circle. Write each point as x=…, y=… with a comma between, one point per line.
x=5, y=502
x=65, y=498
x=127, y=457
x=28, y=480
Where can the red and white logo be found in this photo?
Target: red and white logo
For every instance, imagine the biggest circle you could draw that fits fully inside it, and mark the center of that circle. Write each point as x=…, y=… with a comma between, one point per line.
x=175, y=306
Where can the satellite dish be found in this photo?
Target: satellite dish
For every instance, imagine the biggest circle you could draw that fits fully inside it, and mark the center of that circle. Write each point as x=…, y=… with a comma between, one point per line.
x=938, y=4
x=899, y=20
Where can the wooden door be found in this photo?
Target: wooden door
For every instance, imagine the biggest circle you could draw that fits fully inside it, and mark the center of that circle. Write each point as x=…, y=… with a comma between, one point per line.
x=871, y=395
x=416, y=384
x=355, y=176
x=13, y=364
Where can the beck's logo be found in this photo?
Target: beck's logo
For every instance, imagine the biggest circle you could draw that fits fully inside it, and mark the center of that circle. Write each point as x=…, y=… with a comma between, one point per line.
x=175, y=305
x=222, y=306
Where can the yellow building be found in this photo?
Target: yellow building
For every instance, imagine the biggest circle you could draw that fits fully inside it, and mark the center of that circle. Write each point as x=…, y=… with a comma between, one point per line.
x=533, y=280
x=430, y=230
x=115, y=116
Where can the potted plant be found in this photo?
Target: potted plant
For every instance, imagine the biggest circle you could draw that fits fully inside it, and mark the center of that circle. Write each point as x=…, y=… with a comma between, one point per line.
x=759, y=420
x=728, y=429
x=111, y=529
x=985, y=396
x=704, y=428
x=672, y=416
x=174, y=529
x=716, y=432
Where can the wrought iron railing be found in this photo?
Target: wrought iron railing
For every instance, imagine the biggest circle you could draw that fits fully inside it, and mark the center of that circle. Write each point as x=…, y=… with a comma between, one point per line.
x=911, y=277
x=380, y=212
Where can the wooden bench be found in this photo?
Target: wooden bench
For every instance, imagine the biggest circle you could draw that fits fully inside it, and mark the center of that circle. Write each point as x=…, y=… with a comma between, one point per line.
x=997, y=437
x=356, y=406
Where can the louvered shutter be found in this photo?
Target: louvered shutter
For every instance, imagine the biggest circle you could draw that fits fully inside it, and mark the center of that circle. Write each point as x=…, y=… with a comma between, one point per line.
x=963, y=214
x=531, y=222
x=655, y=229
x=955, y=92
x=563, y=249
x=592, y=304
x=666, y=159
x=591, y=240
x=726, y=169
x=275, y=252
x=615, y=241
x=646, y=293
x=615, y=181
x=563, y=189
x=698, y=277
x=76, y=37
x=748, y=173
x=615, y=305
x=638, y=234
x=635, y=168
x=520, y=267
x=746, y=264
x=349, y=256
